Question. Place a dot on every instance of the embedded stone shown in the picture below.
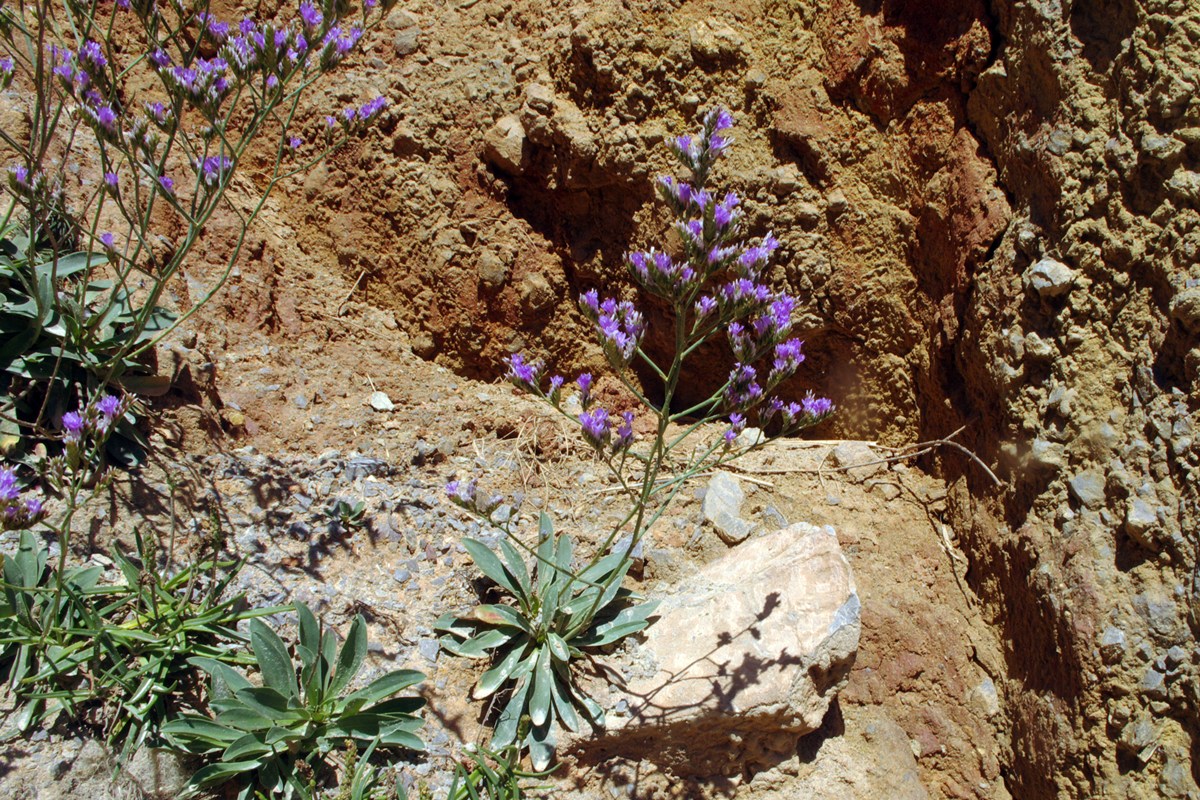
(504, 145)
(1088, 488)
(1049, 278)
(755, 645)
(1185, 308)
(722, 507)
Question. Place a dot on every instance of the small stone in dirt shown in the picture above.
(402, 575)
(856, 458)
(407, 41)
(722, 507)
(1112, 644)
(504, 145)
(1049, 278)
(381, 402)
(300, 401)
(429, 648)
(1088, 488)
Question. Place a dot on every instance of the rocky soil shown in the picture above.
(989, 211)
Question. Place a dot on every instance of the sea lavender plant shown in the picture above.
(714, 288)
(140, 115)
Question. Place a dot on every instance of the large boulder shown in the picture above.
(752, 648)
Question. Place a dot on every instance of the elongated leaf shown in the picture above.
(245, 718)
(230, 679)
(557, 647)
(505, 732)
(501, 615)
(273, 659)
(192, 730)
(478, 646)
(215, 774)
(385, 686)
(495, 677)
(563, 705)
(541, 744)
(515, 565)
(310, 629)
(350, 659)
(489, 564)
(249, 746)
(266, 701)
(539, 698)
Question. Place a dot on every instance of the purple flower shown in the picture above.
(584, 382)
(92, 54)
(294, 142)
(556, 384)
(621, 327)
(111, 181)
(72, 423)
(589, 303)
(705, 306)
(18, 175)
(105, 117)
(522, 373)
(370, 3)
(8, 485)
(123, 5)
(724, 213)
(272, 81)
(109, 406)
(6, 66)
(218, 30)
(742, 389)
(596, 428)
(462, 493)
(624, 432)
(33, 509)
(788, 357)
(372, 107)
(816, 407)
(160, 58)
(721, 119)
(158, 112)
(167, 184)
(106, 239)
(349, 113)
(310, 15)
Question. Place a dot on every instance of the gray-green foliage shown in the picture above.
(123, 647)
(556, 616)
(275, 737)
(62, 327)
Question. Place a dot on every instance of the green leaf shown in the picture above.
(516, 567)
(222, 771)
(350, 659)
(478, 646)
(539, 699)
(385, 686)
(505, 732)
(501, 615)
(562, 699)
(495, 677)
(273, 659)
(310, 629)
(230, 679)
(489, 564)
(557, 647)
(250, 745)
(245, 718)
(541, 743)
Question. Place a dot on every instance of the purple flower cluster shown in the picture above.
(526, 375)
(466, 494)
(213, 169)
(619, 323)
(7, 68)
(17, 513)
(96, 418)
(337, 43)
